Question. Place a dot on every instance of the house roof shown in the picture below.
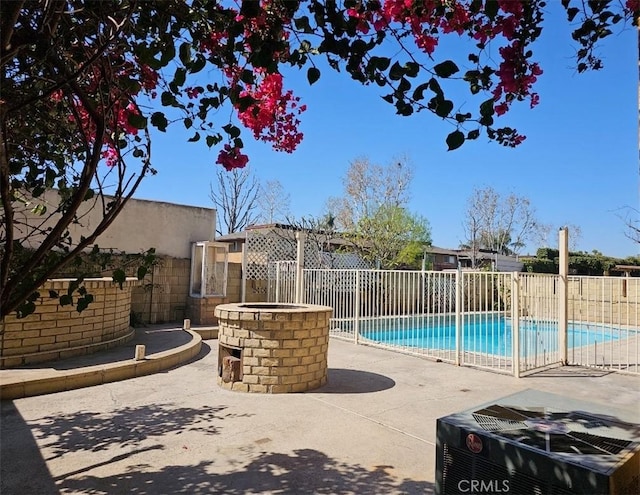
(439, 250)
(235, 236)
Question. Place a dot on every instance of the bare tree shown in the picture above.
(631, 218)
(547, 234)
(502, 224)
(367, 187)
(274, 203)
(320, 233)
(235, 199)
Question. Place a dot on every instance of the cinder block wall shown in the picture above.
(163, 294)
(607, 300)
(201, 310)
(54, 331)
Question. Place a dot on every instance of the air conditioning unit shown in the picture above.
(536, 443)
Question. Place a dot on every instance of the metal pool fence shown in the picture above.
(513, 323)
(609, 307)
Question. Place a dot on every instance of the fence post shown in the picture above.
(459, 316)
(300, 238)
(515, 323)
(243, 288)
(277, 282)
(563, 295)
(356, 321)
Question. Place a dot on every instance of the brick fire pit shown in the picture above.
(272, 348)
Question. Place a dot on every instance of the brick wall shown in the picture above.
(283, 349)
(201, 309)
(163, 294)
(608, 300)
(55, 332)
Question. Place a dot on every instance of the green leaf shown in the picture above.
(194, 138)
(187, 123)
(446, 69)
(185, 53)
(83, 302)
(572, 13)
(232, 130)
(491, 9)
(486, 108)
(142, 271)
(403, 108)
(137, 120)
(39, 209)
(168, 53)
(302, 23)
(473, 134)
(443, 108)
(434, 86)
(180, 76)
(486, 120)
(168, 99)
(119, 277)
(247, 76)
(65, 299)
(455, 140)
(198, 65)
(388, 98)
(418, 93)
(53, 294)
(313, 74)
(25, 309)
(396, 72)
(212, 140)
(159, 121)
(404, 85)
(380, 63)
(411, 69)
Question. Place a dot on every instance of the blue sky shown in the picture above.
(578, 165)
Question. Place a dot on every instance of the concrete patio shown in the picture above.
(371, 429)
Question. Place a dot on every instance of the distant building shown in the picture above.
(450, 259)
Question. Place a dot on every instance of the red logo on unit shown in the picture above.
(474, 443)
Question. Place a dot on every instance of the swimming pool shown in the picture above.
(488, 334)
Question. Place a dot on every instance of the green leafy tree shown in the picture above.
(367, 187)
(392, 238)
(84, 82)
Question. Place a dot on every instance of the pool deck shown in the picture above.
(371, 429)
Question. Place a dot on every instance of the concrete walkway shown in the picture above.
(370, 430)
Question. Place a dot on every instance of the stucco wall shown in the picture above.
(54, 331)
(142, 224)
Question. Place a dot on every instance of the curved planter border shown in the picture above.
(50, 380)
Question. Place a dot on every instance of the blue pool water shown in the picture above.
(490, 335)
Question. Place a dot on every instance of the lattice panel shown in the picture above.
(342, 261)
(263, 248)
(266, 247)
(442, 293)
